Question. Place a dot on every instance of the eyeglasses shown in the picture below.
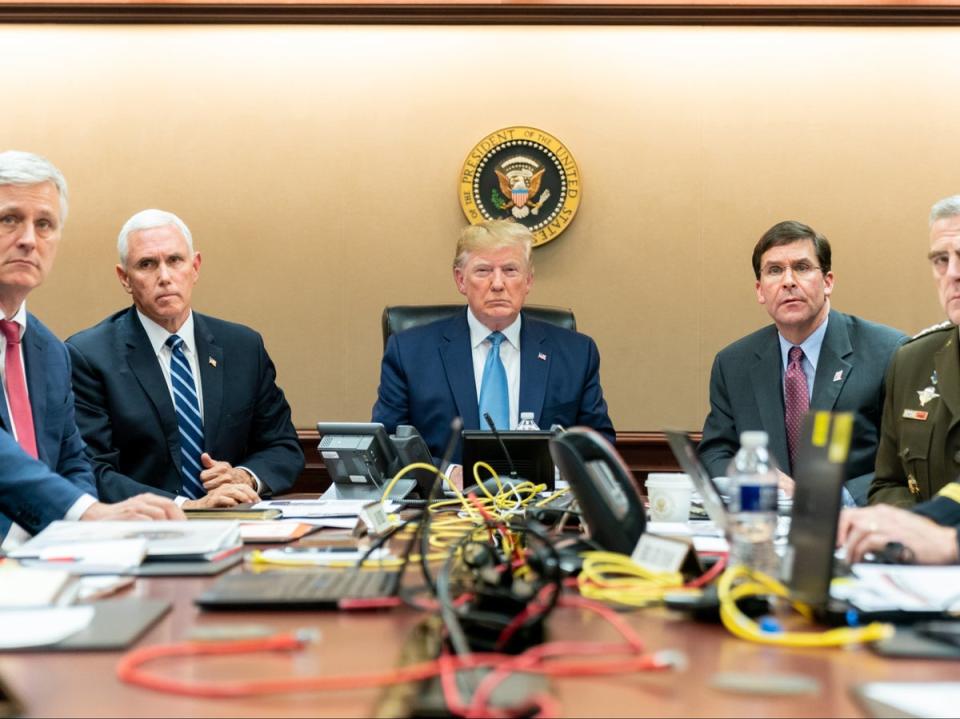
(801, 270)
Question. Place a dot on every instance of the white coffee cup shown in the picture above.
(669, 496)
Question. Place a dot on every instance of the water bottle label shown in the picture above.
(758, 498)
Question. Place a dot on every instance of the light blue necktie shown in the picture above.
(494, 397)
(188, 418)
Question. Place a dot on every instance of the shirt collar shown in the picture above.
(20, 317)
(158, 335)
(479, 331)
(810, 346)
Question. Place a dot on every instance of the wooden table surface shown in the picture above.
(85, 683)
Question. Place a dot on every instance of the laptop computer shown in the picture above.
(685, 453)
(327, 589)
(809, 564)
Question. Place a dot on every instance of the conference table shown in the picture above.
(85, 683)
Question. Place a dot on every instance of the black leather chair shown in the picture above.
(398, 318)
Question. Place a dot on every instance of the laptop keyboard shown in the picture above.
(300, 588)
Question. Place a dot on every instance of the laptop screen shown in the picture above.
(819, 476)
(685, 453)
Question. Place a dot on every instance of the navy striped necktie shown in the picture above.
(188, 418)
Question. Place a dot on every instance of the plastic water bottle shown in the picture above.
(527, 424)
(753, 505)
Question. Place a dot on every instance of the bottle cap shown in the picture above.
(753, 439)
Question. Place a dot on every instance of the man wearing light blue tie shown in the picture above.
(491, 358)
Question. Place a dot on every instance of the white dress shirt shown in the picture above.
(509, 355)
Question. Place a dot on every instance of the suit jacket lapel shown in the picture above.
(768, 393)
(456, 354)
(211, 379)
(835, 348)
(4, 415)
(533, 369)
(143, 363)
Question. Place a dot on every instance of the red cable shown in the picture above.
(709, 575)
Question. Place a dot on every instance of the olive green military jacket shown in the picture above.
(919, 450)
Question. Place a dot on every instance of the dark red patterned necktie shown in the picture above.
(22, 415)
(797, 399)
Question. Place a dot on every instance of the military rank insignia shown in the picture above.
(523, 174)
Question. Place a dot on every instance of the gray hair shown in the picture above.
(147, 220)
(492, 235)
(26, 168)
(947, 207)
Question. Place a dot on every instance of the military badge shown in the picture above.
(927, 394)
(523, 174)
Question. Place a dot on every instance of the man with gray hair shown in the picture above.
(174, 402)
(919, 451)
(491, 357)
(44, 473)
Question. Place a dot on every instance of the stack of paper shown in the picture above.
(886, 587)
(271, 532)
(176, 541)
(339, 513)
(20, 587)
(114, 557)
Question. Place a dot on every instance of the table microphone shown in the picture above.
(503, 446)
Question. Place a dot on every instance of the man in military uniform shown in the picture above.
(927, 535)
(919, 449)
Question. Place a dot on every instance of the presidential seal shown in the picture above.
(524, 174)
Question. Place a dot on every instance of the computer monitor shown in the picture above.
(609, 500)
(528, 451)
(361, 461)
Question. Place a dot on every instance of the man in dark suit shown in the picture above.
(44, 473)
(174, 402)
(433, 373)
(812, 358)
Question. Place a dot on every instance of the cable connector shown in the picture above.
(671, 659)
(307, 636)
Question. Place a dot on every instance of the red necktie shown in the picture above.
(797, 400)
(20, 410)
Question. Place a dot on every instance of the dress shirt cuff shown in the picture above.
(846, 499)
(257, 484)
(79, 507)
(179, 500)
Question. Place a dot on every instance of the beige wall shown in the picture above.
(317, 168)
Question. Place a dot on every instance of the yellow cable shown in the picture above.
(757, 583)
(612, 577)
(420, 465)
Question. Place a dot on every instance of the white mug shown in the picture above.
(670, 496)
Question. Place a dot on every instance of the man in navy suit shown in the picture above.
(433, 373)
(44, 473)
(174, 402)
(825, 359)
